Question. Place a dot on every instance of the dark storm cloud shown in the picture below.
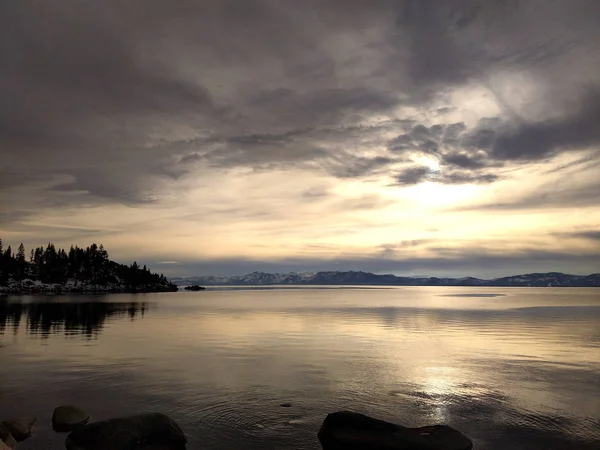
(434, 55)
(533, 141)
(466, 161)
(467, 178)
(323, 148)
(419, 174)
(109, 92)
(491, 144)
(350, 166)
(413, 175)
(70, 62)
(443, 45)
(325, 106)
(453, 145)
(447, 56)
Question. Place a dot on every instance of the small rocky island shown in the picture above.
(342, 430)
(77, 271)
(194, 287)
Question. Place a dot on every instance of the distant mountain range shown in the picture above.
(551, 279)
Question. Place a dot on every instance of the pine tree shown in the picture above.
(37, 256)
(7, 264)
(21, 253)
(50, 263)
(20, 258)
(3, 272)
(103, 253)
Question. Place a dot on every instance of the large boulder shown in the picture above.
(144, 431)
(345, 430)
(68, 417)
(19, 428)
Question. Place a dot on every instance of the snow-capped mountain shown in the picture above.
(552, 279)
(549, 279)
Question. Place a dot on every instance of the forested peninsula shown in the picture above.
(77, 271)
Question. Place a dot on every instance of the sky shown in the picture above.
(414, 137)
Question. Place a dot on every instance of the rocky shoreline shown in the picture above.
(342, 430)
(71, 286)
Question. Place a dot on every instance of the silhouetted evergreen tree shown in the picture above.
(7, 264)
(21, 262)
(3, 268)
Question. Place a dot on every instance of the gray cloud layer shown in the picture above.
(103, 91)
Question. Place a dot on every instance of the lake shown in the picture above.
(514, 368)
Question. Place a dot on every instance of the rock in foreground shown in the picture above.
(68, 417)
(6, 439)
(347, 430)
(19, 428)
(144, 431)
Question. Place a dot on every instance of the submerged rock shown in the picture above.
(20, 428)
(347, 430)
(68, 417)
(145, 431)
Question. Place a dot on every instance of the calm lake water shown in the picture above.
(514, 368)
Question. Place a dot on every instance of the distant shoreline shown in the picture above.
(355, 278)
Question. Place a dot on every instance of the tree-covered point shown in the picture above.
(90, 265)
